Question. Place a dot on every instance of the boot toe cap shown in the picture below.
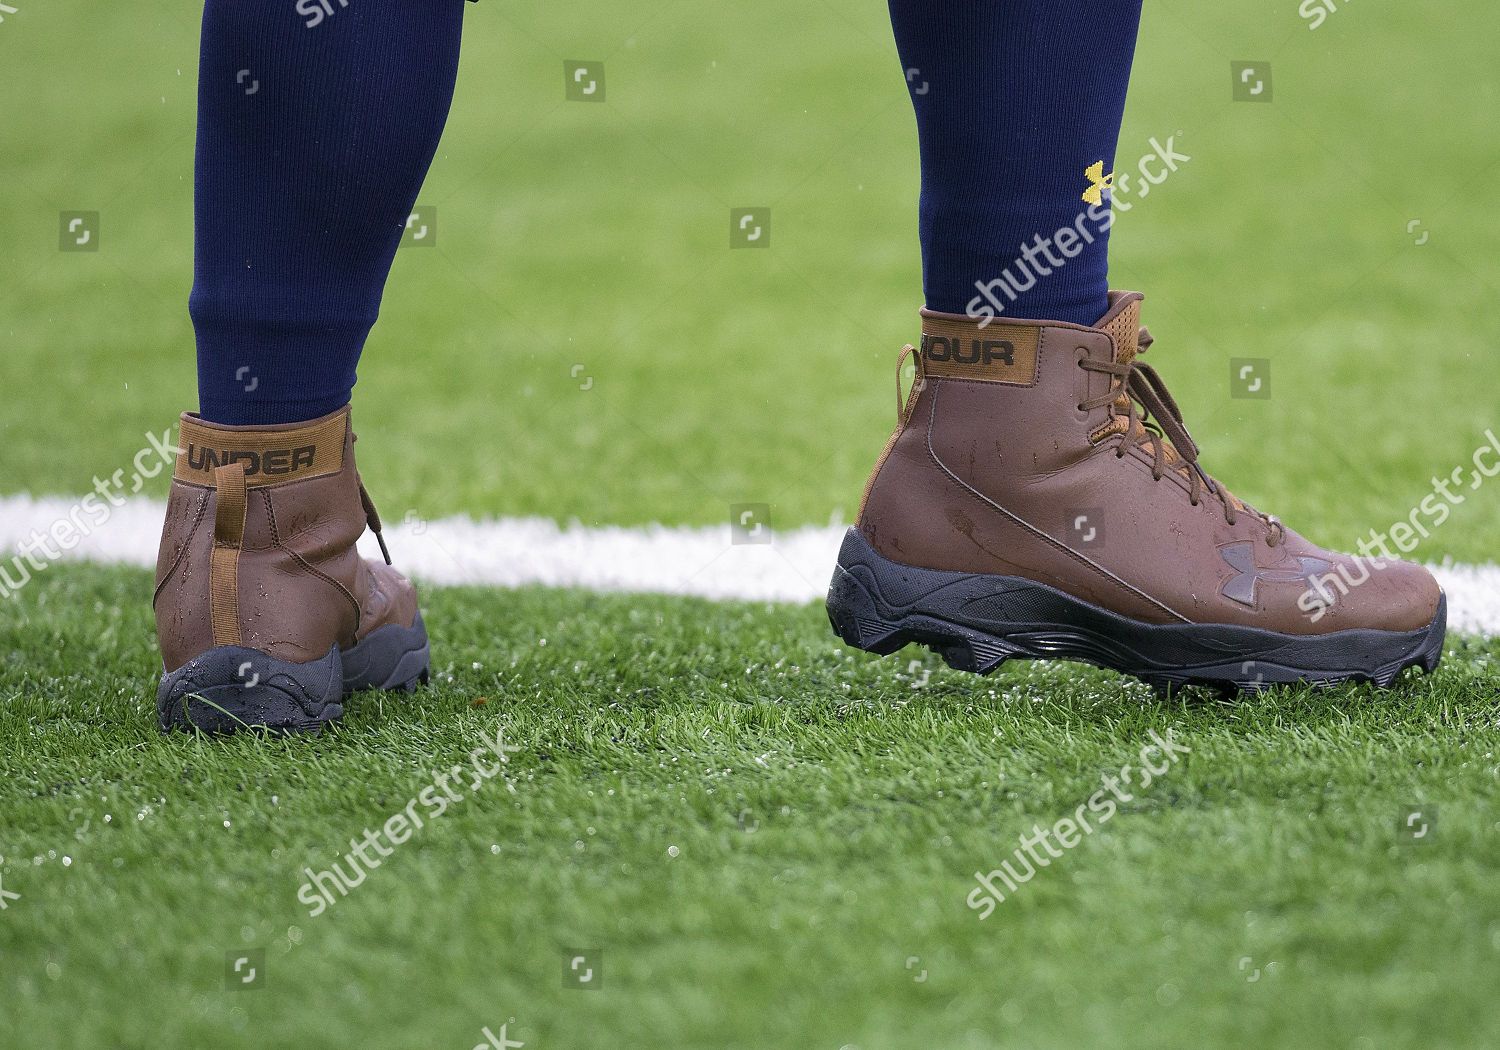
(1382, 595)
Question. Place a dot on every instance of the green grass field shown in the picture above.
(757, 828)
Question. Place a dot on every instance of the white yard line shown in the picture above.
(656, 559)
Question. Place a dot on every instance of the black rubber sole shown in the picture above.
(232, 688)
(977, 622)
(390, 657)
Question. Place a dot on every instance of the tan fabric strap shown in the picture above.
(957, 348)
(268, 456)
(906, 401)
(224, 563)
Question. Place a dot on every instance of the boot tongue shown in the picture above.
(1122, 322)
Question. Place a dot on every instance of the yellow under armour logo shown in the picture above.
(1098, 183)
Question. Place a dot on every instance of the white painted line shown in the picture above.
(655, 559)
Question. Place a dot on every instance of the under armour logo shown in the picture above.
(1240, 557)
(1098, 183)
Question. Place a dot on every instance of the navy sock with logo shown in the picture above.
(1016, 100)
(317, 123)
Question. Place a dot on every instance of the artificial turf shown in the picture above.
(756, 835)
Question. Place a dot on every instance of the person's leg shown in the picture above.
(1015, 100)
(317, 123)
(1041, 496)
(313, 141)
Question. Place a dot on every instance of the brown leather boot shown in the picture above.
(266, 614)
(1041, 498)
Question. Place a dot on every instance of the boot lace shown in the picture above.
(1152, 418)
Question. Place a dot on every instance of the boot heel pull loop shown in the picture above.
(372, 518)
(904, 402)
(224, 562)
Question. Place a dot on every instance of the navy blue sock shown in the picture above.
(316, 125)
(1015, 100)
